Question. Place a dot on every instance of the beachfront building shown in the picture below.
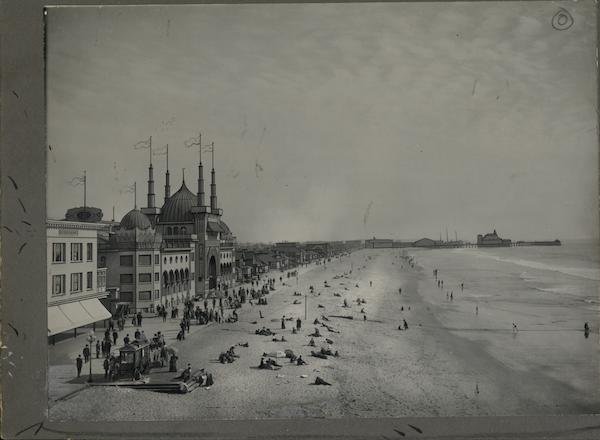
(131, 256)
(427, 243)
(379, 243)
(492, 240)
(75, 283)
(296, 254)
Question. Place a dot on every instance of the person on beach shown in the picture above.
(451, 296)
(79, 364)
(365, 317)
(462, 286)
(477, 310)
(370, 283)
(514, 326)
(405, 324)
(283, 322)
(447, 296)
(298, 324)
(400, 291)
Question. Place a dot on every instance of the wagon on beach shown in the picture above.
(134, 357)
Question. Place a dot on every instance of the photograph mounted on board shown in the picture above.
(281, 211)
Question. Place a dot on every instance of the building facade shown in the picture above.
(75, 282)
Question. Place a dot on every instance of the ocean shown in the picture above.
(548, 292)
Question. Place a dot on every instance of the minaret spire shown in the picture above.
(213, 184)
(200, 173)
(151, 196)
(167, 182)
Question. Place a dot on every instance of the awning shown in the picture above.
(96, 310)
(75, 314)
(215, 227)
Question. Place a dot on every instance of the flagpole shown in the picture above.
(150, 150)
(134, 195)
(84, 188)
(212, 150)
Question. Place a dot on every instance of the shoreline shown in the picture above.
(427, 370)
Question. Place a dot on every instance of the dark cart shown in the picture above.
(134, 356)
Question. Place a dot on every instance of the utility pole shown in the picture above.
(84, 189)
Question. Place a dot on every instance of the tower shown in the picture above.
(167, 180)
(151, 210)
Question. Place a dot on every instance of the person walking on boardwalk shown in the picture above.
(115, 336)
(106, 365)
(79, 364)
(97, 349)
(86, 353)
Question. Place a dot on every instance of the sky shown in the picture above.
(334, 121)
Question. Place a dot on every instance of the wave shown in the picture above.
(588, 273)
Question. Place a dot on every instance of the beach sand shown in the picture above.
(434, 368)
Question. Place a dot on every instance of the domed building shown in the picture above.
(131, 255)
(192, 251)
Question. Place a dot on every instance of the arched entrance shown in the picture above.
(212, 273)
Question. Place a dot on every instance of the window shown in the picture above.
(145, 295)
(145, 260)
(192, 257)
(126, 297)
(176, 259)
(90, 280)
(126, 260)
(186, 258)
(169, 230)
(183, 230)
(90, 252)
(126, 278)
(58, 252)
(156, 276)
(58, 284)
(175, 230)
(165, 260)
(76, 251)
(157, 294)
(156, 258)
(76, 279)
(145, 277)
(170, 260)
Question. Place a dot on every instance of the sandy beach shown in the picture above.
(450, 361)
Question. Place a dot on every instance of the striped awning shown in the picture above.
(75, 314)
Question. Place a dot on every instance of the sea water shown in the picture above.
(548, 292)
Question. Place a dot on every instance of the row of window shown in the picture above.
(177, 259)
(127, 278)
(226, 254)
(59, 283)
(59, 252)
(176, 230)
(144, 295)
(143, 260)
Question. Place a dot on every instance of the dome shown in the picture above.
(178, 207)
(135, 219)
(224, 225)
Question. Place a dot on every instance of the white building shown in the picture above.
(75, 283)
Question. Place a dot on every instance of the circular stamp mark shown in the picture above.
(562, 20)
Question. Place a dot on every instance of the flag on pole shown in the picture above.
(161, 151)
(127, 189)
(77, 181)
(208, 148)
(192, 142)
(142, 145)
